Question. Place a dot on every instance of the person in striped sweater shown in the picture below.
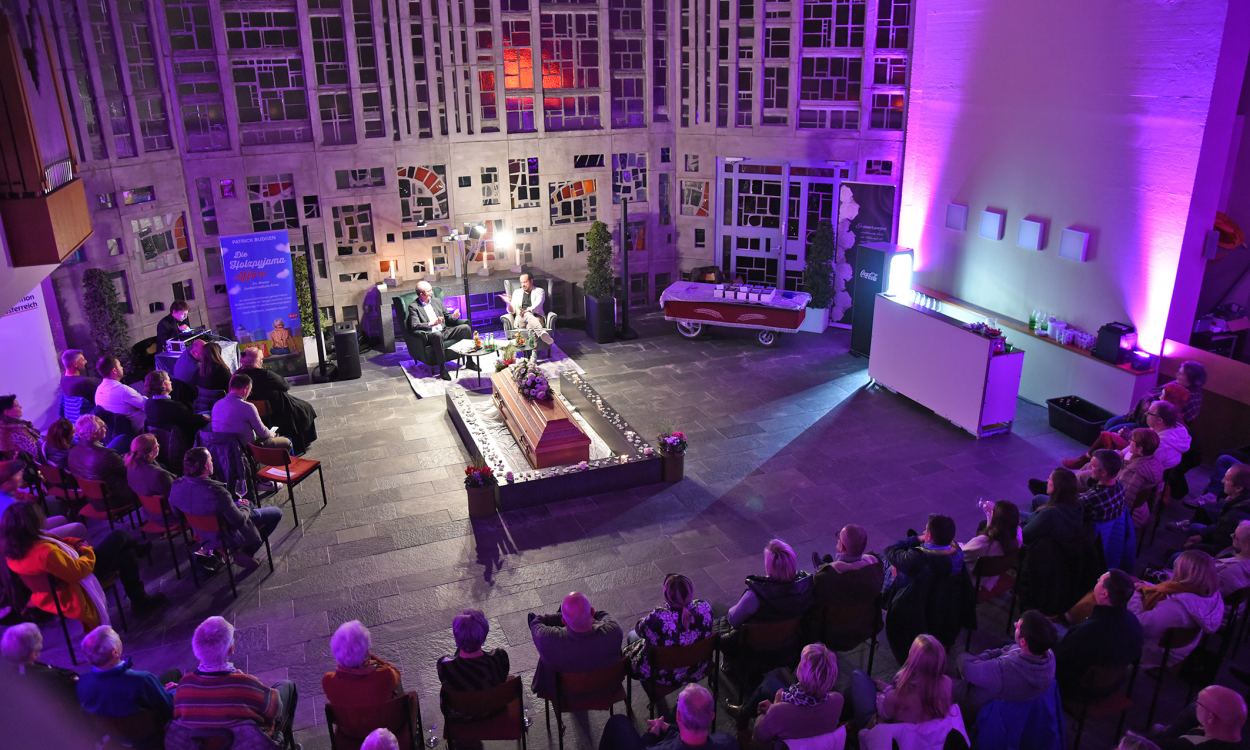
(217, 694)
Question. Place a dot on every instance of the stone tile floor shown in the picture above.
(786, 442)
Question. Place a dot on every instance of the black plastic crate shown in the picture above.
(1077, 418)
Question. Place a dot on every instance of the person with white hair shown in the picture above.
(113, 688)
(380, 739)
(438, 325)
(795, 704)
(21, 647)
(575, 639)
(695, 711)
(218, 694)
(90, 458)
(360, 678)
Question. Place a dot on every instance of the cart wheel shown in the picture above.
(767, 338)
(689, 330)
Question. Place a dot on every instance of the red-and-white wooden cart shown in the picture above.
(694, 306)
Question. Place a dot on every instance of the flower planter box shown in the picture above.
(674, 467)
(481, 501)
(601, 319)
(816, 320)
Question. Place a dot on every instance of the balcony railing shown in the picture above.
(57, 174)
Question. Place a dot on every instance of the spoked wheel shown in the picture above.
(689, 330)
(767, 338)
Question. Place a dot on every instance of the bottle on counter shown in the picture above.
(477, 340)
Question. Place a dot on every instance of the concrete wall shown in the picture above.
(1095, 115)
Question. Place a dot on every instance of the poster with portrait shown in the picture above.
(264, 309)
(865, 214)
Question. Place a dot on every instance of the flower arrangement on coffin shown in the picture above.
(530, 381)
(673, 443)
(478, 476)
(503, 364)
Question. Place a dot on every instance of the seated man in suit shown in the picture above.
(235, 415)
(437, 325)
(526, 307)
(294, 416)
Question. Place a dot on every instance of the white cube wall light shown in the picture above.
(956, 216)
(992, 222)
(1032, 234)
(1074, 244)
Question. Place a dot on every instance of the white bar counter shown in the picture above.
(933, 360)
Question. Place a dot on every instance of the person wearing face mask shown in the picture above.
(172, 325)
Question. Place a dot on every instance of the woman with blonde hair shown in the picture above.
(90, 459)
(782, 593)
(795, 704)
(144, 475)
(1190, 598)
(920, 692)
(682, 621)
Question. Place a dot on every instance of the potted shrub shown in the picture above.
(600, 307)
(673, 452)
(479, 485)
(106, 317)
(819, 278)
(303, 294)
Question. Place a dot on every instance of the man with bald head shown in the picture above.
(1214, 722)
(438, 325)
(575, 639)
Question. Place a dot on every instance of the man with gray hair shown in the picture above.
(361, 678)
(575, 639)
(21, 647)
(217, 694)
(75, 381)
(438, 325)
(695, 711)
(115, 689)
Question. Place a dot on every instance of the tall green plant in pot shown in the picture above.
(600, 307)
(106, 317)
(818, 277)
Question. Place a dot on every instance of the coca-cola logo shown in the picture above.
(868, 276)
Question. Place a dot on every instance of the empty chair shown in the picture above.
(276, 465)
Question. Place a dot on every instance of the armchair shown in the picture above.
(549, 320)
(415, 343)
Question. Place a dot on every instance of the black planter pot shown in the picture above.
(601, 319)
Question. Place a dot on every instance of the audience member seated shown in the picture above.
(682, 621)
(1192, 377)
(1065, 556)
(359, 678)
(187, 367)
(197, 493)
(161, 410)
(1215, 486)
(782, 593)
(75, 382)
(218, 695)
(695, 711)
(472, 667)
(90, 459)
(1190, 598)
(73, 564)
(1216, 721)
(21, 646)
(928, 589)
(13, 481)
(57, 442)
(920, 691)
(795, 704)
(1110, 637)
(18, 437)
(144, 475)
(116, 397)
(1233, 567)
(212, 374)
(1162, 417)
(295, 417)
(114, 689)
(235, 415)
(1212, 530)
(380, 739)
(1104, 500)
(999, 538)
(847, 582)
(575, 639)
(1020, 672)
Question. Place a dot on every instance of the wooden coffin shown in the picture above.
(545, 430)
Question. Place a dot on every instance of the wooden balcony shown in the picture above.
(44, 229)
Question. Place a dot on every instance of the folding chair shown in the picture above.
(169, 525)
(102, 505)
(213, 525)
(276, 465)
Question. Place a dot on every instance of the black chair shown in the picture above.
(414, 341)
(173, 446)
(549, 317)
(594, 690)
(1172, 638)
(1099, 696)
(350, 725)
(994, 567)
(495, 713)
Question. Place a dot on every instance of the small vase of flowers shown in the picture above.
(673, 451)
(480, 485)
